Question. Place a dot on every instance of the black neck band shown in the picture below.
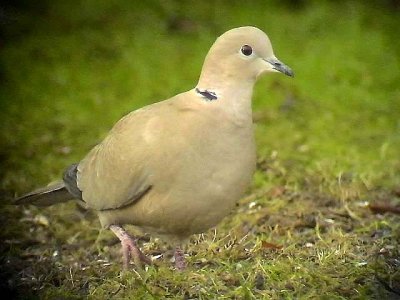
(207, 94)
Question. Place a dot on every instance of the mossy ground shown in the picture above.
(328, 144)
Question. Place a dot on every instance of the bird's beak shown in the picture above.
(279, 66)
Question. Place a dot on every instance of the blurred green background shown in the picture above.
(70, 69)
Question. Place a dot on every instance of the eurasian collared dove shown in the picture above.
(176, 167)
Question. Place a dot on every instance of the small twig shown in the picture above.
(379, 208)
(72, 278)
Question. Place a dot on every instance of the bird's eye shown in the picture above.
(246, 50)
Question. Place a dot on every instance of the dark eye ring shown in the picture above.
(246, 50)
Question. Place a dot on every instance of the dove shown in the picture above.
(176, 167)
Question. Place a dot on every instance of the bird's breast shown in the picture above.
(209, 178)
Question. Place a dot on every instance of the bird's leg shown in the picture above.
(129, 248)
(180, 262)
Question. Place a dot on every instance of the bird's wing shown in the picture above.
(115, 173)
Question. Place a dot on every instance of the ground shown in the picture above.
(320, 220)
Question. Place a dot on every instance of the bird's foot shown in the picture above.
(180, 261)
(130, 248)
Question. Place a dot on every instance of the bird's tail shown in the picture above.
(52, 194)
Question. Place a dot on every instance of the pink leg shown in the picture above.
(129, 248)
(180, 262)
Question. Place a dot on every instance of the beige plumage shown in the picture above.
(177, 167)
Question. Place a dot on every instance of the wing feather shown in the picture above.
(114, 173)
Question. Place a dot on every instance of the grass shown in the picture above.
(328, 143)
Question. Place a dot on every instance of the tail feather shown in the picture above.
(46, 196)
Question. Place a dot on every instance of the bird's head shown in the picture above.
(241, 54)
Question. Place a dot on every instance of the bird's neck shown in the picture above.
(233, 96)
